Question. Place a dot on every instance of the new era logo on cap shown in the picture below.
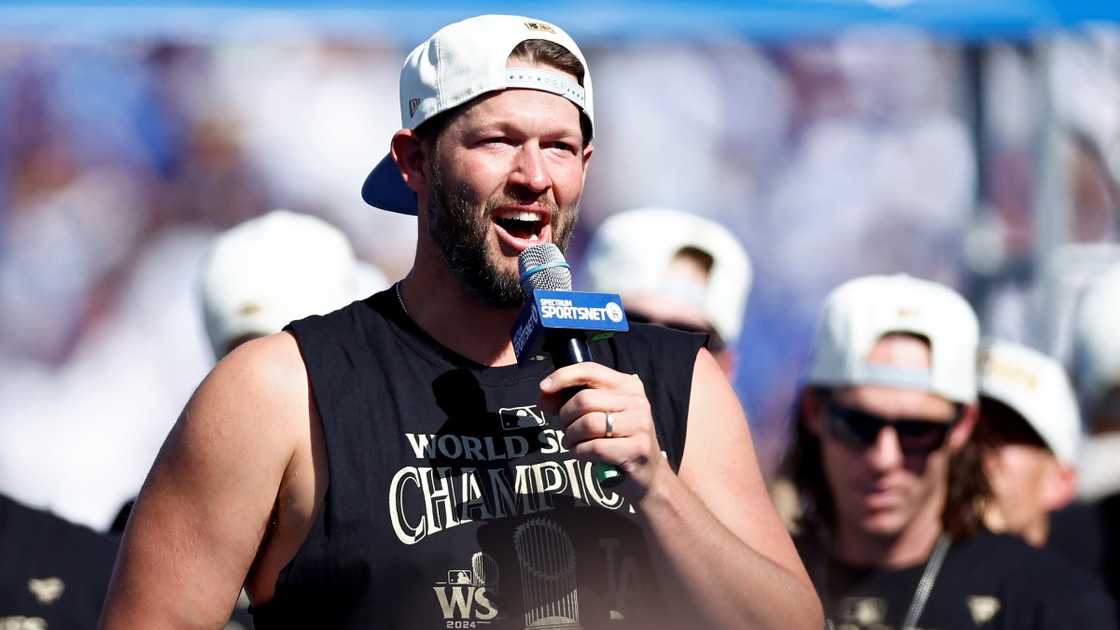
(994, 366)
(1036, 387)
(540, 26)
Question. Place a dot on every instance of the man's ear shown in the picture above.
(408, 152)
(810, 407)
(588, 149)
(1059, 486)
(962, 430)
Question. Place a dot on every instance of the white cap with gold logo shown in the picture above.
(273, 269)
(632, 253)
(860, 312)
(1036, 387)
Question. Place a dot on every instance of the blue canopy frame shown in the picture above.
(404, 23)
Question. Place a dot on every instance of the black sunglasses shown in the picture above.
(715, 342)
(860, 429)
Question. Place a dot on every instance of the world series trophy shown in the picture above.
(548, 575)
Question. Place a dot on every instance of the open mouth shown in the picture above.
(522, 224)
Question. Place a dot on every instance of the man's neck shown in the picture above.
(908, 548)
(439, 304)
(1038, 531)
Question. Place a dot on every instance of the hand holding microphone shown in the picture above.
(605, 413)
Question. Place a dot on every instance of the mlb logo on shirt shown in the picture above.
(459, 576)
(514, 418)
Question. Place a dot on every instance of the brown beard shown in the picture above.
(460, 232)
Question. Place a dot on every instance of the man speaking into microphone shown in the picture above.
(392, 465)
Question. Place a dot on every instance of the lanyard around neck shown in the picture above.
(921, 593)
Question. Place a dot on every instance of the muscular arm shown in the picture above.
(716, 535)
(207, 502)
(714, 525)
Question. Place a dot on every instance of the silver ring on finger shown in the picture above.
(610, 424)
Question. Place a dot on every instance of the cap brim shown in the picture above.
(385, 189)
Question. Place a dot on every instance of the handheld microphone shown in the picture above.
(557, 320)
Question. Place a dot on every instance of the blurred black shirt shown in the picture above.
(1089, 535)
(53, 573)
(989, 581)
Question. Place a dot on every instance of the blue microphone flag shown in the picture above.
(565, 310)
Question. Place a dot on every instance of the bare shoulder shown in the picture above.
(268, 368)
(204, 513)
(254, 402)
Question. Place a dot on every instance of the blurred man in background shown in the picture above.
(675, 269)
(1097, 369)
(892, 533)
(1087, 530)
(1029, 432)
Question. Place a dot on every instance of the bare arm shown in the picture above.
(716, 526)
(206, 505)
(713, 527)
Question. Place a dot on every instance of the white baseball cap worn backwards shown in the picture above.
(858, 313)
(631, 252)
(276, 268)
(1036, 387)
(460, 62)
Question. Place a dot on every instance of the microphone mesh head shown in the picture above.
(555, 274)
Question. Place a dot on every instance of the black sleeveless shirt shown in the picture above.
(451, 502)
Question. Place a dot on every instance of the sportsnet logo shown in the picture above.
(580, 310)
(465, 599)
(565, 311)
(554, 308)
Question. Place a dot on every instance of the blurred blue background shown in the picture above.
(975, 143)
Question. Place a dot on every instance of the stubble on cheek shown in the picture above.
(460, 227)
